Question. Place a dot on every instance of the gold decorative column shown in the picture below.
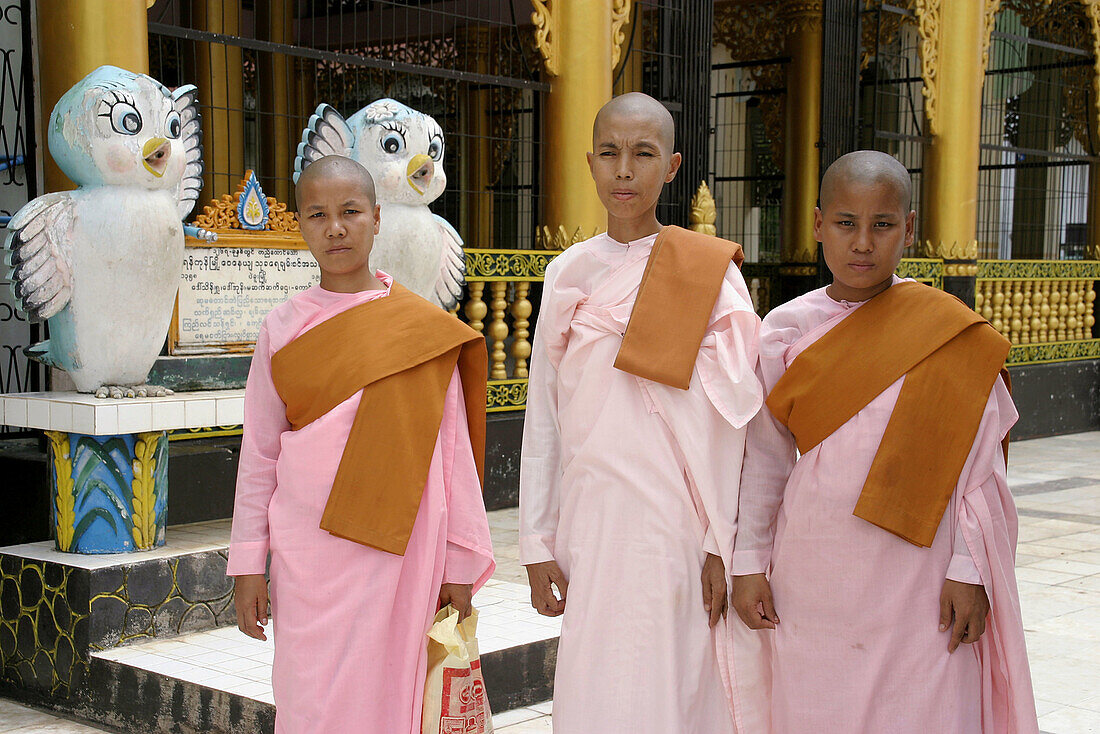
(953, 96)
(279, 130)
(802, 131)
(575, 40)
(78, 36)
(220, 79)
(475, 45)
(957, 32)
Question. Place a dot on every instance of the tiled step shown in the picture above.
(143, 641)
(225, 677)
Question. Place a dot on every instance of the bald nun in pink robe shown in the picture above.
(627, 484)
(351, 621)
(858, 649)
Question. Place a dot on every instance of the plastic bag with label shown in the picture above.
(454, 691)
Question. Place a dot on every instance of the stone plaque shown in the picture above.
(226, 291)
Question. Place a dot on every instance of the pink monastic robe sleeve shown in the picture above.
(540, 462)
(264, 423)
(769, 459)
(469, 555)
(987, 523)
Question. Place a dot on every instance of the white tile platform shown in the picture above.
(180, 540)
(75, 412)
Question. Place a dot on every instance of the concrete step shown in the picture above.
(147, 642)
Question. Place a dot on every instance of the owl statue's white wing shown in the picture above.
(38, 236)
(452, 265)
(327, 133)
(185, 103)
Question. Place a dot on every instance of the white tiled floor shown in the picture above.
(1056, 482)
(16, 718)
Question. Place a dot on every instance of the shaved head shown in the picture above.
(336, 167)
(866, 168)
(632, 107)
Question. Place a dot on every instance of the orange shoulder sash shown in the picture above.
(950, 357)
(679, 287)
(401, 352)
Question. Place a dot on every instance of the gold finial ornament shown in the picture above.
(704, 213)
(559, 239)
(542, 16)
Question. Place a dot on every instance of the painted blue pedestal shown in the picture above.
(109, 493)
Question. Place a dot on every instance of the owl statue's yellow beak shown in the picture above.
(420, 171)
(156, 153)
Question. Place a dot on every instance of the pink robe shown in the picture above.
(627, 484)
(858, 646)
(350, 643)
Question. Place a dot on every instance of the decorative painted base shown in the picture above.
(56, 609)
(109, 493)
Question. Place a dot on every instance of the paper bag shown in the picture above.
(454, 692)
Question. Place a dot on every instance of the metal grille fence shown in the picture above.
(747, 112)
(665, 54)
(263, 66)
(891, 108)
(1037, 145)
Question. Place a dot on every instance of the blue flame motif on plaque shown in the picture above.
(252, 209)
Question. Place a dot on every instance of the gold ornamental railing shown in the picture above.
(1046, 308)
(925, 270)
(498, 286)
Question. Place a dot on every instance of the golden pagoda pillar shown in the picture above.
(219, 75)
(477, 165)
(75, 38)
(801, 157)
(575, 40)
(957, 31)
(279, 130)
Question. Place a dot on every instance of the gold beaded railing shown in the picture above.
(498, 283)
(1046, 308)
(925, 270)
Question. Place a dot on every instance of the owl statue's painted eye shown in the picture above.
(393, 141)
(125, 118)
(173, 125)
(435, 147)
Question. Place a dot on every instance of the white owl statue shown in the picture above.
(102, 263)
(403, 150)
